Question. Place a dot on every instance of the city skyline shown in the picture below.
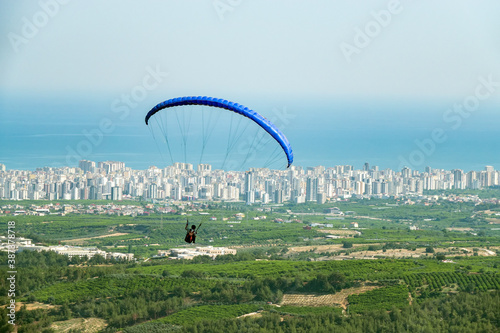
(4, 167)
(112, 180)
(364, 81)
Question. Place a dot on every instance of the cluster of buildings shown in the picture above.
(190, 253)
(25, 244)
(63, 209)
(112, 180)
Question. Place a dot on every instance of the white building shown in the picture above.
(187, 253)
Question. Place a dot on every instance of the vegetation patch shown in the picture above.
(383, 298)
(305, 310)
(87, 325)
(209, 312)
(308, 300)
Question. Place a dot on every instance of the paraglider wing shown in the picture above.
(230, 106)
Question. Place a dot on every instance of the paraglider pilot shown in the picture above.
(191, 233)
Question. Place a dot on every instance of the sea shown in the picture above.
(390, 133)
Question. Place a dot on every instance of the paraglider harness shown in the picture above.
(191, 233)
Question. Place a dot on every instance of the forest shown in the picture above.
(198, 296)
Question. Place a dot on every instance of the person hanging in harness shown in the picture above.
(191, 233)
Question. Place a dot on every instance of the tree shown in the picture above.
(346, 244)
(179, 292)
(336, 280)
(264, 294)
(65, 311)
(4, 324)
(440, 257)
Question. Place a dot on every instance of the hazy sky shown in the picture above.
(257, 47)
(252, 51)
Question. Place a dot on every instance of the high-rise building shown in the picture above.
(384, 188)
(321, 198)
(183, 166)
(204, 168)
(177, 193)
(485, 178)
(250, 197)
(359, 187)
(278, 196)
(458, 179)
(311, 189)
(84, 193)
(470, 178)
(270, 186)
(116, 193)
(87, 166)
(92, 193)
(153, 191)
(406, 172)
(368, 187)
(75, 193)
(249, 188)
(492, 175)
(111, 166)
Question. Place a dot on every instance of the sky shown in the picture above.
(374, 81)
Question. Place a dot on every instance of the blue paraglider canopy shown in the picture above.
(261, 121)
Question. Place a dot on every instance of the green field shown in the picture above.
(202, 295)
